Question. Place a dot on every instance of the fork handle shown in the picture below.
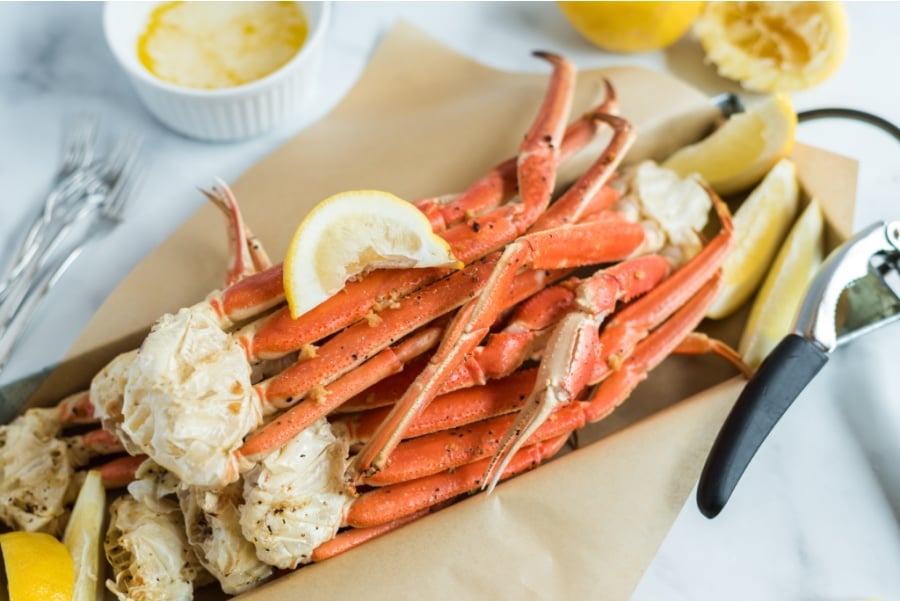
(24, 254)
(11, 331)
(25, 257)
(13, 295)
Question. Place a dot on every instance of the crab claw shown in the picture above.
(574, 348)
(560, 378)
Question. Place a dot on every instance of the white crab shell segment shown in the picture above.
(212, 520)
(35, 471)
(212, 524)
(673, 211)
(294, 499)
(155, 487)
(188, 401)
(107, 395)
(149, 554)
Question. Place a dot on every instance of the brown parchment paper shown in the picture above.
(422, 121)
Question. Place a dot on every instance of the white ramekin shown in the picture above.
(219, 115)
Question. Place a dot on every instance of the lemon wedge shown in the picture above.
(631, 26)
(83, 534)
(782, 292)
(744, 149)
(38, 567)
(760, 224)
(349, 234)
(774, 46)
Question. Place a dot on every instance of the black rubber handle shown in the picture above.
(780, 379)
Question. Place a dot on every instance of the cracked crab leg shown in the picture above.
(277, 334)
(500, 183)
(540, 250)
(389, 503)
(506, 350)
(120, 472)
(353, 537)
(448, 449)
(576, 356)
(549, 245)
(633, 322)
(698, 343)
(650, 351)
(246, 251)
(384, 510)
(536, 167)
(389, 361)
(352, 348)
(83, 447)
(453, 409)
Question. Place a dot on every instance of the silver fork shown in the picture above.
(78, 151)
(111, 212)
(67, 213)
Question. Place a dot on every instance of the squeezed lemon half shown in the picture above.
(743, 149)
(38, 567)
(351, 233)
(777, 302)
(774, 46)
(760, 225)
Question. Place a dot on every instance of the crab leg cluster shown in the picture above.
(275, 441)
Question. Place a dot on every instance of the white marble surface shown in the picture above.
(815, 517)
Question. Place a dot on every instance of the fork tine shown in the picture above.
(124, 186)
(79, 141)
(130, 191)
(131, 148)
(124, 148)
(71, 135)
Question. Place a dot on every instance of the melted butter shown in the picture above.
(213, 45)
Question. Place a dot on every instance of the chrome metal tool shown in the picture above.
(856, 291)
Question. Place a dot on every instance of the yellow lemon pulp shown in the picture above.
(778, 301)
(38, 567)
(351, 233)
(760, 225)
(214, 45)
(631, 26)
(83, 534)
(774, 46)
(744, 149)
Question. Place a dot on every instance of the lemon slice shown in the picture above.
(779, 298)
(38, 567)
(631, 26)
(760, 225)
(351, 233)
(83, 533)
(744, 149)
(774, 46)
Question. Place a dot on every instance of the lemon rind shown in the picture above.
(797, 262)
(307, 241)
(760, 227)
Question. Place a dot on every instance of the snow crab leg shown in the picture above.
(547, 246)
(577, 356)
(333, 359)
(347, 349)
(500, 183)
